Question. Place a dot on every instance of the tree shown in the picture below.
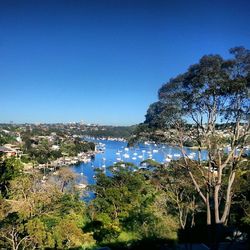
(9, 169)
(212, 91)
(40, 215)
(128, 203)
(240, 211)
(180, 198)
(12, 235)
(65, 178)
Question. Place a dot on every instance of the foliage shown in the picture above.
(208, 107)
(111, 131)
(136, 207)
(127, 203)
(6, 138)
(42, 151)
(42, 215)
(77, 146)
(9, 169)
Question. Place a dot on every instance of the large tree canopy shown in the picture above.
(212, 93)
(212, 90)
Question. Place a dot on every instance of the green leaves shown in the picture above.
(41, 215)
(126, 203)
(9, 169)
(211, 83)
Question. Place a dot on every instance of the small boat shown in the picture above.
(167, 159)
(126, 156)
(81, 186)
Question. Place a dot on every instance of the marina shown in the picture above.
(110, 152)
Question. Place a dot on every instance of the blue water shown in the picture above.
(116, 151)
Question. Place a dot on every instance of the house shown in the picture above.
(8, 152)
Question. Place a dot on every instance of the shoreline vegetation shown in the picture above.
(170, 205)
(65, 144)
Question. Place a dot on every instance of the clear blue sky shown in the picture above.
(103, 61)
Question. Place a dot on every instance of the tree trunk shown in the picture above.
(228, 198)
(208, 210)
(216, 204)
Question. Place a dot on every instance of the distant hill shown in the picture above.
(110, 131)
